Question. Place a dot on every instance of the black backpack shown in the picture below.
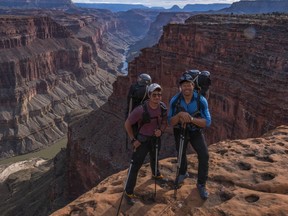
(202, 81)
(203, 84)
(136, 96)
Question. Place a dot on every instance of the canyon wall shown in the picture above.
(47, 71)
(247, 58)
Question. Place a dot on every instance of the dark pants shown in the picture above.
(138, 158)
(197, 141)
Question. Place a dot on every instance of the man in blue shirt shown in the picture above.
(189, 110)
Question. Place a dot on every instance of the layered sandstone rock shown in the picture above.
(45, 74)
(52, 66)
(246, 177)
(17, 32)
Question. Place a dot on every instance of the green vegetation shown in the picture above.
(47, 153)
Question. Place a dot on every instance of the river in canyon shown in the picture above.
(124, 68)
(47, 153)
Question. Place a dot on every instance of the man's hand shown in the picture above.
(136, 144)
(157, 132)
(184, 117)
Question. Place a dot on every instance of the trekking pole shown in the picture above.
(129, 170)
(156, 164)
(180, 152)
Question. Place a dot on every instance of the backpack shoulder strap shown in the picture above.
(144, 96)
(198, 100)
(163, 109)
(197, 112)
(145, 109)
(176, 103)
(145, 115)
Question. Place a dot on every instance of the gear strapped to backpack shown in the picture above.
(201, 80)
(203, 83)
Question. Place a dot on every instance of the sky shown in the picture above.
(155, 3)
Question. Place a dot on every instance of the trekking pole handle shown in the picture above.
(135, 147)
(158, 132)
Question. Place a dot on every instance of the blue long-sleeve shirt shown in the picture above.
(191, 107)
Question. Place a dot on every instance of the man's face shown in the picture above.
(156, 96)
(187, 88)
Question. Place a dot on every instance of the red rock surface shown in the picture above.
(246, 177)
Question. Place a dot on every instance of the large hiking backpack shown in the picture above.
(138, 92)
(136, 96)
(204, 82)
(201, 80)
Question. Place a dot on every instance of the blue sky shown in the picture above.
(153, 3)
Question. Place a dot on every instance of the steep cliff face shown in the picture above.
(249, 78)
(16, 32)
(45, 73)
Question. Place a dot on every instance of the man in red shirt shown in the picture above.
(152, 122)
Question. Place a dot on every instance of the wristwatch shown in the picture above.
(192, 118)
(133, 140)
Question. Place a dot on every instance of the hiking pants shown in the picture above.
(197, 141)
(138, 159)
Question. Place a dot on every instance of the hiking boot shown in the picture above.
(160, 178)
(182, 177)
(130, 198)
(202, 191)
(180, 181)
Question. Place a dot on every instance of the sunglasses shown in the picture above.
(156, 94)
